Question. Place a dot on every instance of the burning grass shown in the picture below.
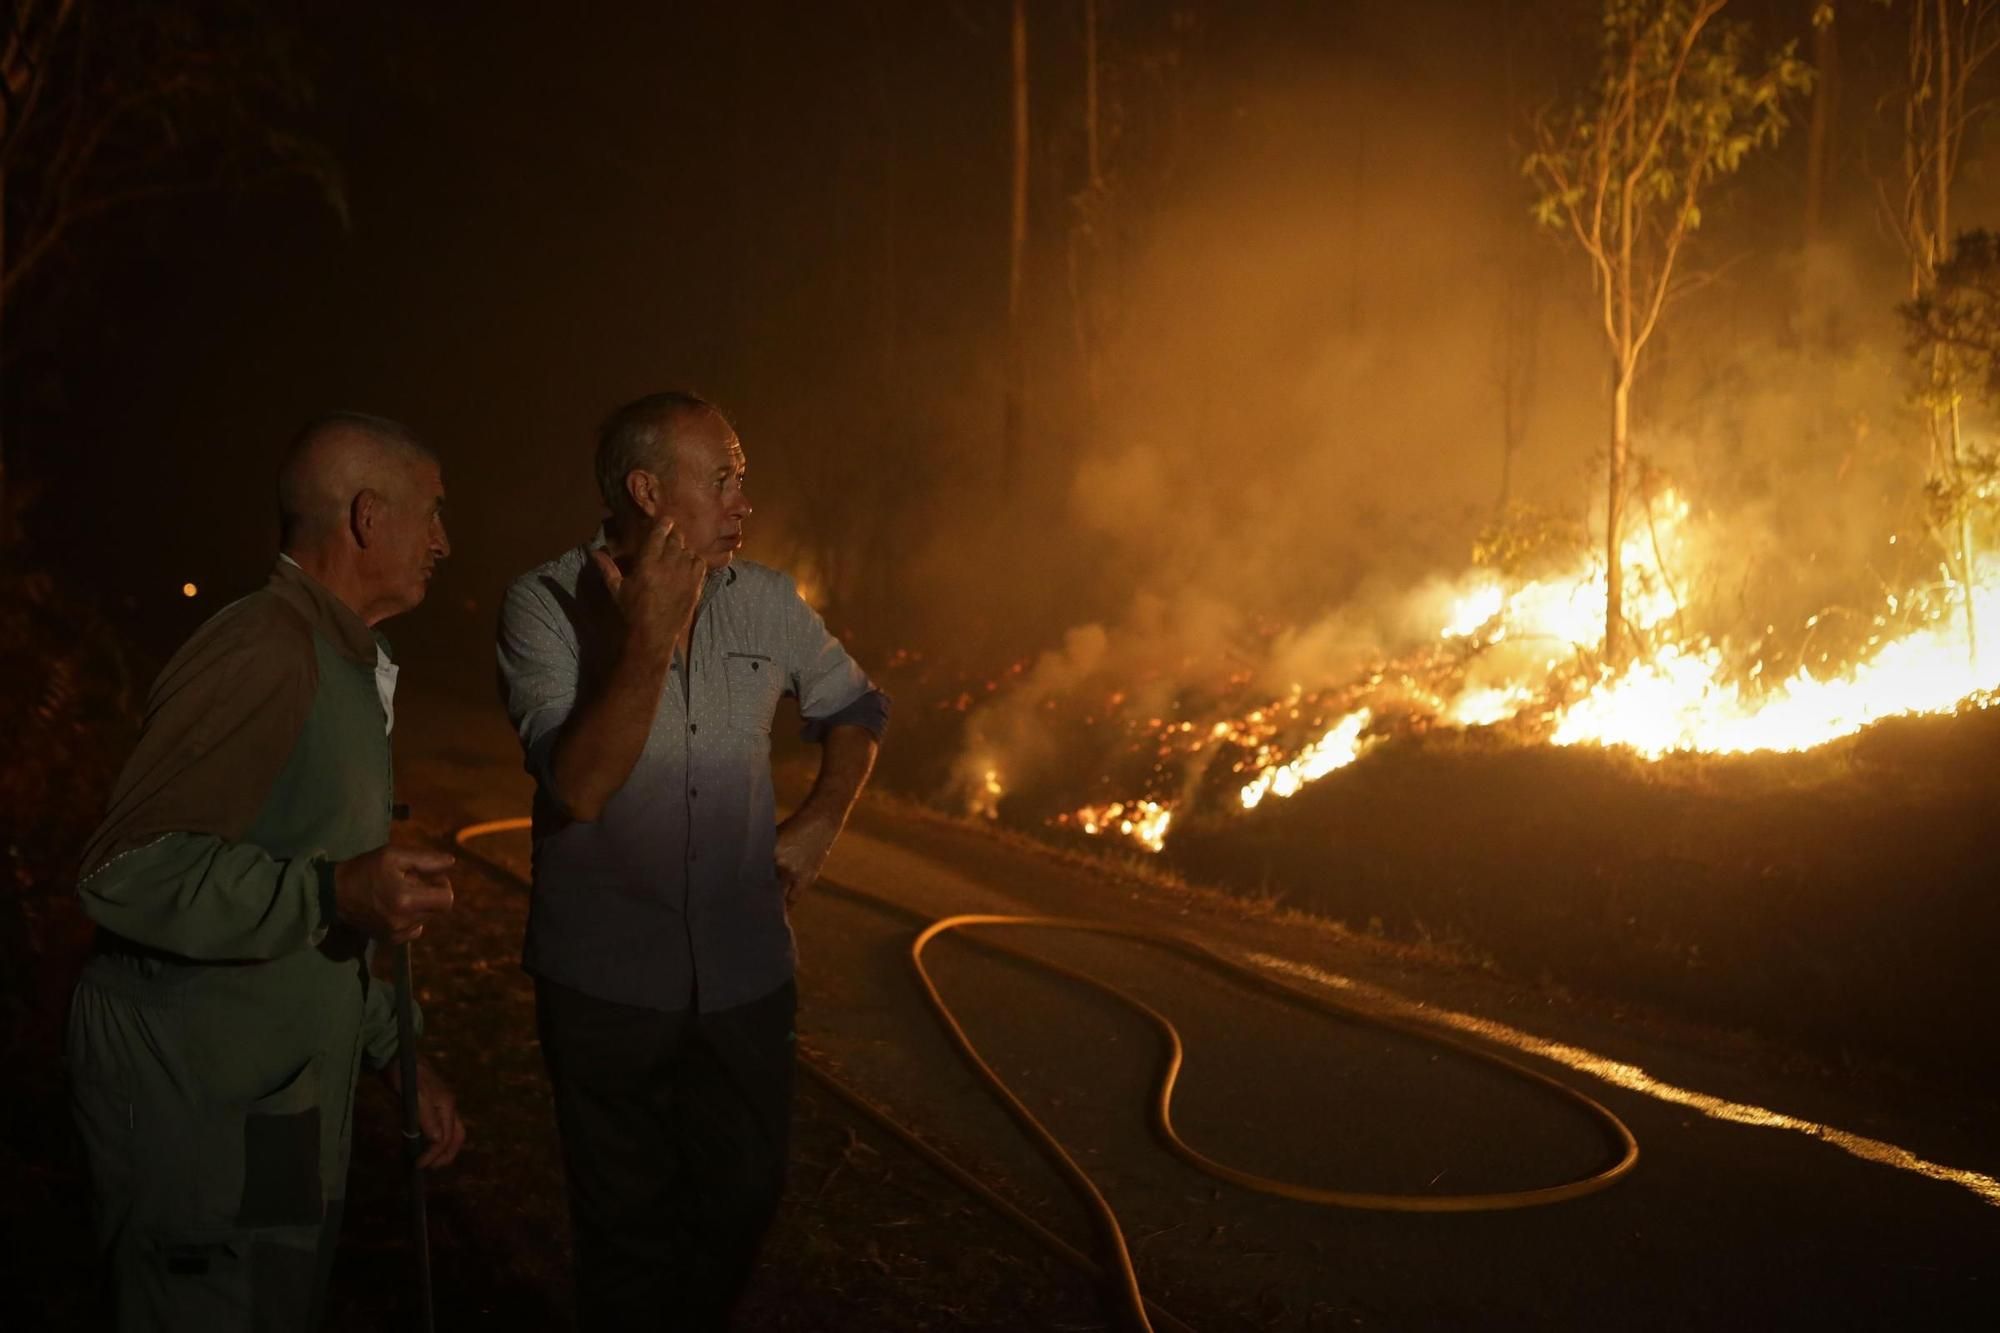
(1510, 646)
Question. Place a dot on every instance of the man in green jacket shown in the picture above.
(240, 881)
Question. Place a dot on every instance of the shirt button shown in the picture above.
(694, 726)
(693, 792)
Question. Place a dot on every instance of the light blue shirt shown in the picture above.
(670, 899)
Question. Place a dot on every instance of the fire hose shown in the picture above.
(1105, 1220)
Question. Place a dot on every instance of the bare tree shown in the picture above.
(1950, 42)
(1131, 122)
(1624, 171)
(109, 104)
(1088, 207)
(33, 28)
(1517, 327)
(1954, 329)
(1516, 358)
(1015, 391)
(1819, 130)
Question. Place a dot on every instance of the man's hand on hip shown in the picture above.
(801, 852)
(391, 892)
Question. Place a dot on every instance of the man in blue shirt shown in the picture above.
(641, 672)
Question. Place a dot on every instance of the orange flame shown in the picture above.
(1683, 697)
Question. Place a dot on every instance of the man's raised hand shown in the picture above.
(391, 892)
(658, 590)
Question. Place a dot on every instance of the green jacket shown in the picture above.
(264, 761)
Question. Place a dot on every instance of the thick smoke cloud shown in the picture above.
(1301, 436)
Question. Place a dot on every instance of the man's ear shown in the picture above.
(364, 514)
(644, 488)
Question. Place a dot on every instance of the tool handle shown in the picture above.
(413, 1134)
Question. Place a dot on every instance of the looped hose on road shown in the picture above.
(1105, 1219)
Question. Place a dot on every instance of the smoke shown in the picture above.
(1795, 441)
(1303, 427)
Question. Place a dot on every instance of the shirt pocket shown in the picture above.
(754, 683)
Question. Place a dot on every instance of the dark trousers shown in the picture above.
(674, 1134)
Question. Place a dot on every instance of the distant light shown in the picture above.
(189, 590)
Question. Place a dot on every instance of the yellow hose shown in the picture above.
(1105, 1219)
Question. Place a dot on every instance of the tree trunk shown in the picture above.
(1616, 649)
(889, 302)
(6, 492)
(1819, 141)
(1085, 240)
(1017, 247)
(1916, 237)
(1963, 540)
(1945, 110)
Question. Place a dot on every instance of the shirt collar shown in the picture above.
(726, 575)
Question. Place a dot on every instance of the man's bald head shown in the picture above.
(332, 460)
(361, 510)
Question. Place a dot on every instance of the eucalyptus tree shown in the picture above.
(1679, 101)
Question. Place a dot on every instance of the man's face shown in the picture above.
(706, 501)
(409, 539)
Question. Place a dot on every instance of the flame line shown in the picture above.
(1634, 1079)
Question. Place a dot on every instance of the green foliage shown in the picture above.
(1678, 102)
(1954, 326)
(1954, 343)
(1969, 490)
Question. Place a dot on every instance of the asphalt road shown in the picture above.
(1756, 1203)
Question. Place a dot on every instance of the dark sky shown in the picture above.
(800, 210)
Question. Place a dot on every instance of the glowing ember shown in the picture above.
(1484, 706)
(1340, 746)
(985, 800)
(1145, 822)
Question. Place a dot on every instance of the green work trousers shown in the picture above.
(207, 1161)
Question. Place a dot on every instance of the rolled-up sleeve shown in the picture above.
(870, 712)
(830, 685)
(538, 665)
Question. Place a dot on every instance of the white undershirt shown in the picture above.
(385, 670)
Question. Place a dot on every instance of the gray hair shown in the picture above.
(323, 470)
(639, 437)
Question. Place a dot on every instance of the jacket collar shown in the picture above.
(330, 617)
